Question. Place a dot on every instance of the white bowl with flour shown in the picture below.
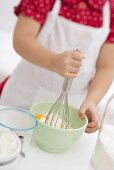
(103, 156)
(10, 147)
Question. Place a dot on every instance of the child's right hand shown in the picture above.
(67, 64)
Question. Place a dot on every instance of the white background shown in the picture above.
(8, 57)
(7, 17)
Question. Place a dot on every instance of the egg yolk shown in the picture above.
(39, 116)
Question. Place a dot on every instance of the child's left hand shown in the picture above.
(89, 109)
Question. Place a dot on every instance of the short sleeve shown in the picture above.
(110, 38)
(36, 9)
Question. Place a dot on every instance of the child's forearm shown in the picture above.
(25, 42)
(100, 84)
(31, 50)
(104, 74)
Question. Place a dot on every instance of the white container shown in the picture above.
(10, 148)
(19, 120)
(103, 155)
(10, 145)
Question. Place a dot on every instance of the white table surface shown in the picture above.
(76, 158)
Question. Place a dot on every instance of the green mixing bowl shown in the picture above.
(57, 140)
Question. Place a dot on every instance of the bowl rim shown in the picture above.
(60, 129)
(20, 110)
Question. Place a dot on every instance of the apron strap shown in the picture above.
(106, 12)
(56, 7)
(106, 15)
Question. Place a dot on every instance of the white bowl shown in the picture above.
(20, 121)
(14, 155)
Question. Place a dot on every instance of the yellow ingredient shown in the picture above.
(39, 116)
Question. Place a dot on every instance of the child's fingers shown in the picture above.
(93, 124)
(75, 63)
(91, 130)
(93, 120)
(82, 112)
(78, 56)
(73, 70)
(92, 127)
(70, 75)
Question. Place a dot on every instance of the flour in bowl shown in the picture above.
(103, 157)
(42, 118)
(8, 142)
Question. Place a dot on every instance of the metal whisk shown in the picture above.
(60, 108)
(58, 115)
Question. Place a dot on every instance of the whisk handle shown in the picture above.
(67, 84)
(68, 81)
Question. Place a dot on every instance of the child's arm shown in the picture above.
(99, 85)
(26, 44)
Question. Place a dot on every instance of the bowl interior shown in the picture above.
(75, 121)
(17, 119)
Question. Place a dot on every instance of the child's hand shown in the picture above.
(67, 64)
(89, 109)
